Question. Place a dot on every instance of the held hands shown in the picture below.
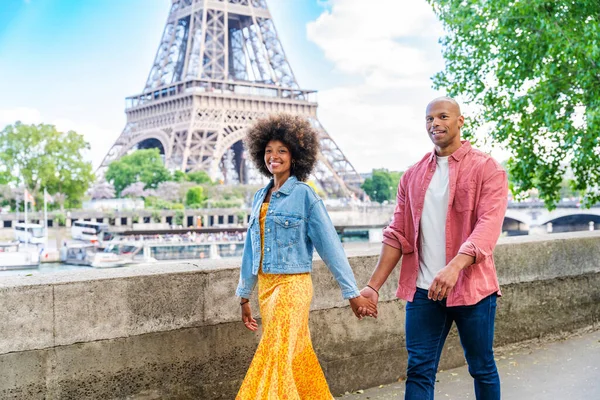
(247, 318)
(373, 296)
(361, 306)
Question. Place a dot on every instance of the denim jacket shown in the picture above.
(296, 222)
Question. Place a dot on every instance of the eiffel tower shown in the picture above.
(219, 67)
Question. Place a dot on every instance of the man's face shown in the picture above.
(443, 123)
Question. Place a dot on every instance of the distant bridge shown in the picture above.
(568, 216)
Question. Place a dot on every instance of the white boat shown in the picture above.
(15, 256)
(93, 256)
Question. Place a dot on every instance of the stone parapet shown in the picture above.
(172, 331)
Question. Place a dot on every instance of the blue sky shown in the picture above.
(73, 62)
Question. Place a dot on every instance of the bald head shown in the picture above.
(443, 123)
(454, 106)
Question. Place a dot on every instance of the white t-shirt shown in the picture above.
(432, 238)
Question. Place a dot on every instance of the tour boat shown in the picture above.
(13, 255)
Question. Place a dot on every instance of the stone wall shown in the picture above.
(173, 331)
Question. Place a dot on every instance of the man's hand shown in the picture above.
(443, 282)
(371, 295)
(362, 306)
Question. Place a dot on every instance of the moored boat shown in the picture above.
(13, 255)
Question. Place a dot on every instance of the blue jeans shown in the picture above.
(427, 325)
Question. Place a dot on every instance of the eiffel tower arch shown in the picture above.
(219, 67)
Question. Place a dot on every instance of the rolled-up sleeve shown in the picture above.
(393, 234)
(490, 211)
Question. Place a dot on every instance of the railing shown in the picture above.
(221, 87)
(540, 204)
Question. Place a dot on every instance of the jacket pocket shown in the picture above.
(464, 197)
(287, 237)
(287, 231)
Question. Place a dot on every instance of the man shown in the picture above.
(448, 217)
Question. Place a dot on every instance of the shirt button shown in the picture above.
(268, 249)
(270, 212)
(277, 195)
(287, 223)
(268, 230)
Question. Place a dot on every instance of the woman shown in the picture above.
(287, 220)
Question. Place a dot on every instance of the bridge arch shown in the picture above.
(518, 215)
(574, 222)
(566, 212)
(513, 227)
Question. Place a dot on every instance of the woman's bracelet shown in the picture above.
(244, 302)
(369, 286)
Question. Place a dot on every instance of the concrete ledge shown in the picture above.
(173, 331)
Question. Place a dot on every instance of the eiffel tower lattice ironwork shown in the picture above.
(219, 67)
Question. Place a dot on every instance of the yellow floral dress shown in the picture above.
(285, 365)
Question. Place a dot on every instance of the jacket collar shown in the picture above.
(287, 186)
(463, 150)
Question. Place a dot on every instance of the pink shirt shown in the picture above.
(476, 206)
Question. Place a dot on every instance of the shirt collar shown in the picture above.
(287, 186)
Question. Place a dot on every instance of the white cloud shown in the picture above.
(23, 114)
(391, 48)
(100, 139)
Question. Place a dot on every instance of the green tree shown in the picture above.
(531, 67)
(380, 186)
(179, 176)
(199, 177)
(194, 197)
(144, 166)
(42, 157)
(396, 175)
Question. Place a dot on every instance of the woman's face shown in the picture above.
(278, 157)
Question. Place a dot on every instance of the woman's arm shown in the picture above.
(327, 243)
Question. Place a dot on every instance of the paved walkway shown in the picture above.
(563, 369)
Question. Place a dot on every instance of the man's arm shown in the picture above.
(394, 244)
(388, 259)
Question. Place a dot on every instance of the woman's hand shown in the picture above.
(363, 303)
(247, 319)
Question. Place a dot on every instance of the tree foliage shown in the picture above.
(134, 190)
(381, 186)
(102, 190)
(198, 177)
(169, 191)
(179, 176)
(195, 197)
(532, 68)
(42, 157)
(140, 166)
